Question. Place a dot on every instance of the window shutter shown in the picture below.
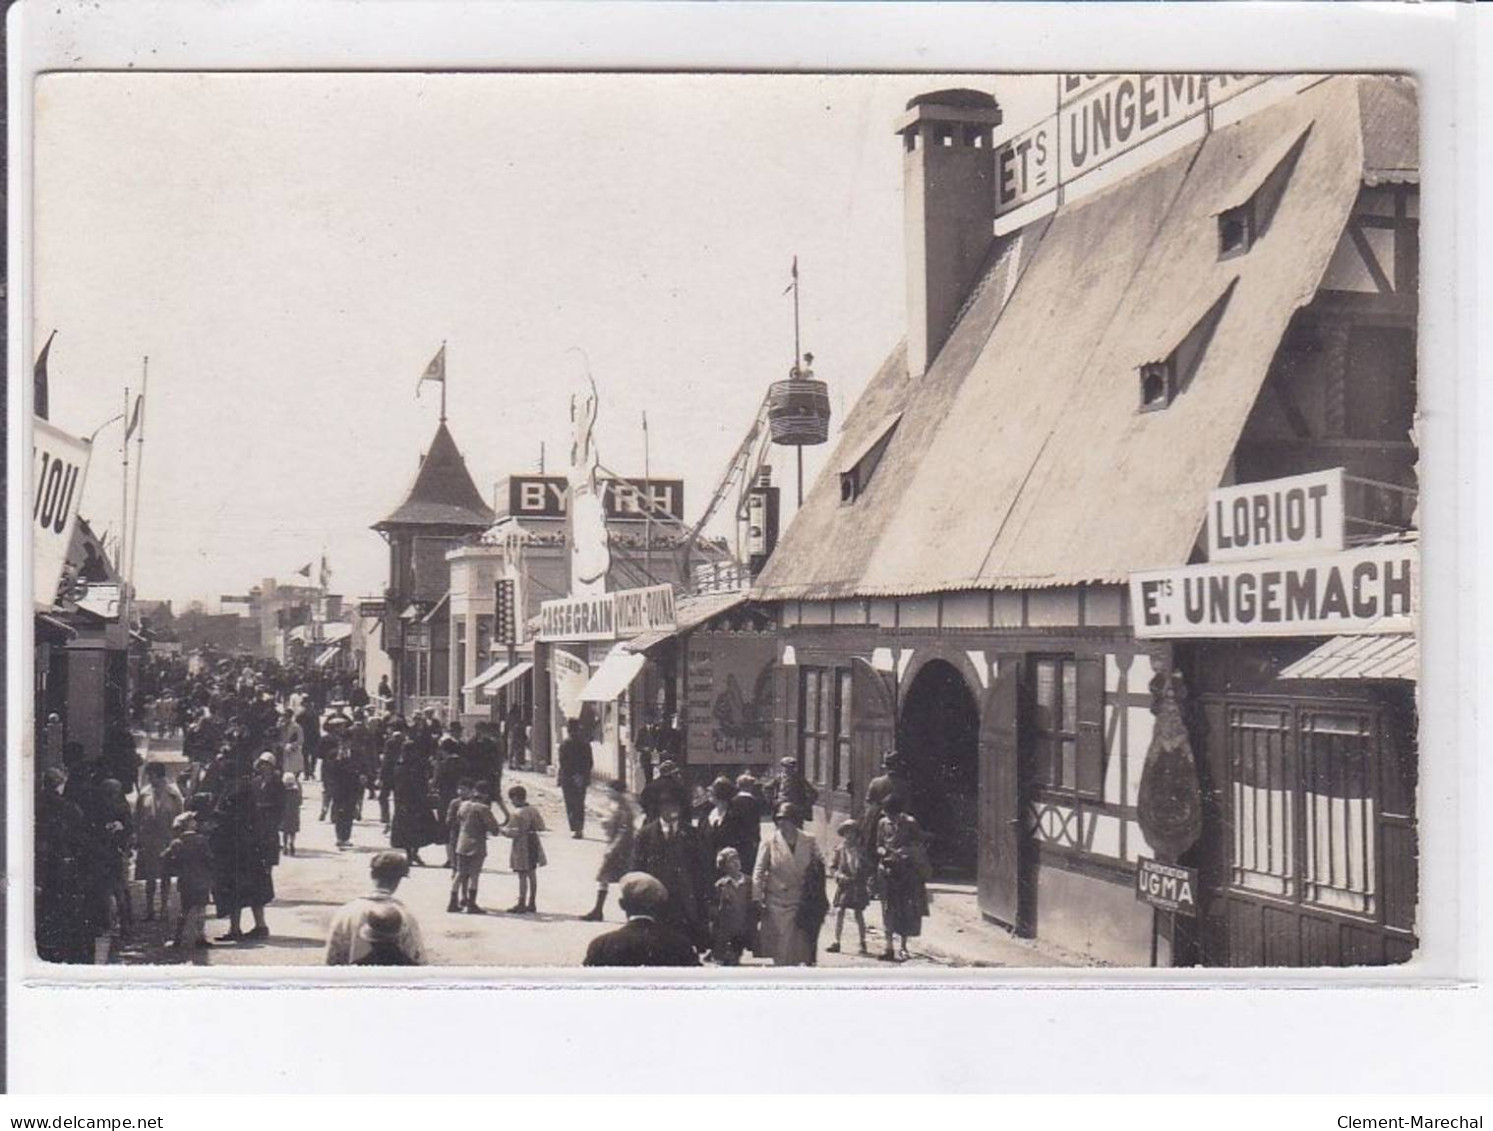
(1091, 725)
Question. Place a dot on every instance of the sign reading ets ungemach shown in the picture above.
(1372, 589)
(1099, 117)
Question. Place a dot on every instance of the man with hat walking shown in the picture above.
(792, 788)
(643, 940)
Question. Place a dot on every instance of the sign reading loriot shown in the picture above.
(1166, 886)
(1302, 514)
(1371, 589)
(1100, 117)
(543, 496)
(608, 616)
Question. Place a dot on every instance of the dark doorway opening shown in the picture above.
(938, 735)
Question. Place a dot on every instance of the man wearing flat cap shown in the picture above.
(644, 940)
(348, 943)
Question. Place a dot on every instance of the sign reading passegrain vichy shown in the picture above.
(608, 616)
(1278, 568)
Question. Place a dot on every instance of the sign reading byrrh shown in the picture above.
(608, 616)
(544, 496)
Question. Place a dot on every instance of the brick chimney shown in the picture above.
(948, 179)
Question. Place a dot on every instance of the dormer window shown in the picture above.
(1246, 216)
(1158, 385)
(1236, 230)
(857, 469)
(1162, 381)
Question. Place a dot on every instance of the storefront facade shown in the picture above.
(958, 584)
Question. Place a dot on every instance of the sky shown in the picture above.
(291, 250)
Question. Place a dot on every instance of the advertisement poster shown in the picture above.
(731, 703)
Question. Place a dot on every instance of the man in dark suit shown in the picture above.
(575, 775)
(673, 852)
(643, 941)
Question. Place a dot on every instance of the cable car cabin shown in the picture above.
(798, 411)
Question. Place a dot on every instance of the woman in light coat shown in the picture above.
(789, 865)
(292, 746)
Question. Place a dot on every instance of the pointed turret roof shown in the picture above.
(443, 493)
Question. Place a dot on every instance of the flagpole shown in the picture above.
(443, 380)
(124, 494)
(797, 370)
(139, 462)
(648, 510)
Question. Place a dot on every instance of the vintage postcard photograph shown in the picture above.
(721, 523)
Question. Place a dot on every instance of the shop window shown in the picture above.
(1304, 797)
(815, 721)
(1055, 722)
(1067, 724)
(461, 652)
(841, 774)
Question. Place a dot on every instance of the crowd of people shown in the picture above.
(713, 876)
(685, 871)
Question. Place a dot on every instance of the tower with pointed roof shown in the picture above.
(441, 510)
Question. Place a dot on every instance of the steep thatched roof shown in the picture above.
(1020, 459)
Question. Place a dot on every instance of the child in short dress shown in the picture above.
(290, 815)
(848, 869)
(731, 913)
(527, 856)
(189, 858)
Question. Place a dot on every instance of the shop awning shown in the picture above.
(485, 676)
(516, 672)
(611, 679)
(1393, 655)
(328, 655)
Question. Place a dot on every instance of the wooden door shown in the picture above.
(1006, 884)
(873, 712)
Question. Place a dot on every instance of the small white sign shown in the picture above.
(59, 464)
(1302, 514)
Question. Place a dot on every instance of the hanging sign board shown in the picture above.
(1372, 589)
(571, 674)
(1166, 886)
(1302, 514)
(59, 464)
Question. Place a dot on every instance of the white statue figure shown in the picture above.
(590, 556)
